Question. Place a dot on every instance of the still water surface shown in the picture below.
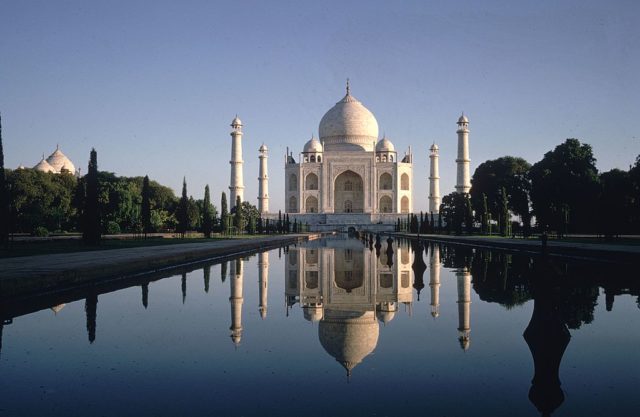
(334, 327)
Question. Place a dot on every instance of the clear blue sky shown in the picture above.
(153, 86)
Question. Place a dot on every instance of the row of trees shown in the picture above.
(564, 192)
(103, 203)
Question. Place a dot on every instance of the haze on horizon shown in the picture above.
(154, 89)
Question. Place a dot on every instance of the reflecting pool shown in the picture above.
(333, 327)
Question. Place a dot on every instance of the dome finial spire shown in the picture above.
(348, 88)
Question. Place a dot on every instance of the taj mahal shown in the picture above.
(350, 175)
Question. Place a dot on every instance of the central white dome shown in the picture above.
(348, 126)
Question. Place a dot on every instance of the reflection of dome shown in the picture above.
(385, 316)
(348, 336)
(313, 145)
(312, 313)
(348, 126)
(59, 161)
(385, 145)
(44, 166)
(57, 308)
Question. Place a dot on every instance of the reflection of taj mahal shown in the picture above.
(348, 289)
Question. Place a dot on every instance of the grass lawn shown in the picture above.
(46, 247)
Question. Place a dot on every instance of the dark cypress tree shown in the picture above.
(239, 218)
(224, 214)
(207, 218)
(504, 212)
(146, 206)
(432, 224)
(4, 197)
(91, 224)
(279, 226)
(183, 210)
(287, 224)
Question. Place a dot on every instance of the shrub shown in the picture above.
(112, 228)
(41, 231)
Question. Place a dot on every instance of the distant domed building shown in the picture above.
(349, 174)
(56, 163)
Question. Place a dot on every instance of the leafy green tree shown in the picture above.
(146, 206)
(193, 214)
(564, 185)
(207, 214)
(484, 215)
(182, 214)
(615, 202)
(454, 211)
(510, 173)
(91, 231)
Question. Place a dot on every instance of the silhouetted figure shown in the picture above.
(223, 271)
(184, 287)
(145, 295)
(370, 239)
(378, 245)
(207, 277)
(418, 266)
(547, 337)
(91, 310)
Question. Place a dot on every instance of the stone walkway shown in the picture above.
(598, 251)
(29, 273)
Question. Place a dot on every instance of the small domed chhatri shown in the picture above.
(313, 145)
(44, 166)
(60, 162)
(385, 145)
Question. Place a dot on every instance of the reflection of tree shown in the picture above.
(207, 277)
(184, 287)
(547, 337)
(501, 278)
(91, 310)
(145, 295)
(418, 266)
(389, 252)
(223, 271)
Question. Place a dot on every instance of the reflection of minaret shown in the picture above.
(91, 309)
(547, 337)
(184, 287)
(463, 184)
(464, 306)
(236, 187)
(207, 277)
(145, 295)
(263, 282)
(434, 280)
(236, 301)
(263, 182)
(434, 181)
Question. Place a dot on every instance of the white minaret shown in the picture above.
(463, 184)
(434, 181)
(263, 282)
(434, 280)
(263, 181)
(236, 301)
(464, 306)
(236, 187)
